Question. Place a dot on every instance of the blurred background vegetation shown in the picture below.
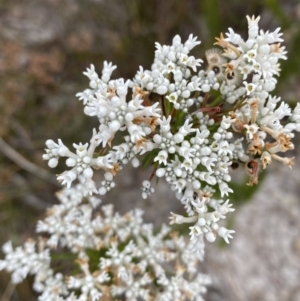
(44, 48)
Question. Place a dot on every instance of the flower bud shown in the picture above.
(160, 172)
(88, 173)
(176, 41)
(161, 90)
(71, 162)
(135, 162)
(210, 237)
(50, 144)
(52, 162)
(114, 125)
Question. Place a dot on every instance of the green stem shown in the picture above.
(163, 106)
(216, 101)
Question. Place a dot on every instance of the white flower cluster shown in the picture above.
(192, 125)
(118, 256)
(191, 138)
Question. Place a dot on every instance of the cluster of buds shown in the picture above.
(192, 124)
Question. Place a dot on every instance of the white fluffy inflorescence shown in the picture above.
(192, 138)
(191, 124)
(118, 256)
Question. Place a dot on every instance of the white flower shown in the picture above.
(188, 165)
(122, 87)
(253, 26)
(67, 177)
(105, 134)
(208, 177)
(172, 97)
(136, 132)
(135, 104)
(104, 161)
(85, 95)
(81, 150)
(165, 124)
(90, 72)
(195, 231)
(224, 189)
(251, 129)
(208, 162)
(186, 151)
(191, 42)
(179, 185)
(121, 150)
(224, 148)
(233, 38)
(225, 208)
(161, 157)
(225, 233)
(186, 128)
(107, 70)
(193, 63)
(226, 122)
(250, 88)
